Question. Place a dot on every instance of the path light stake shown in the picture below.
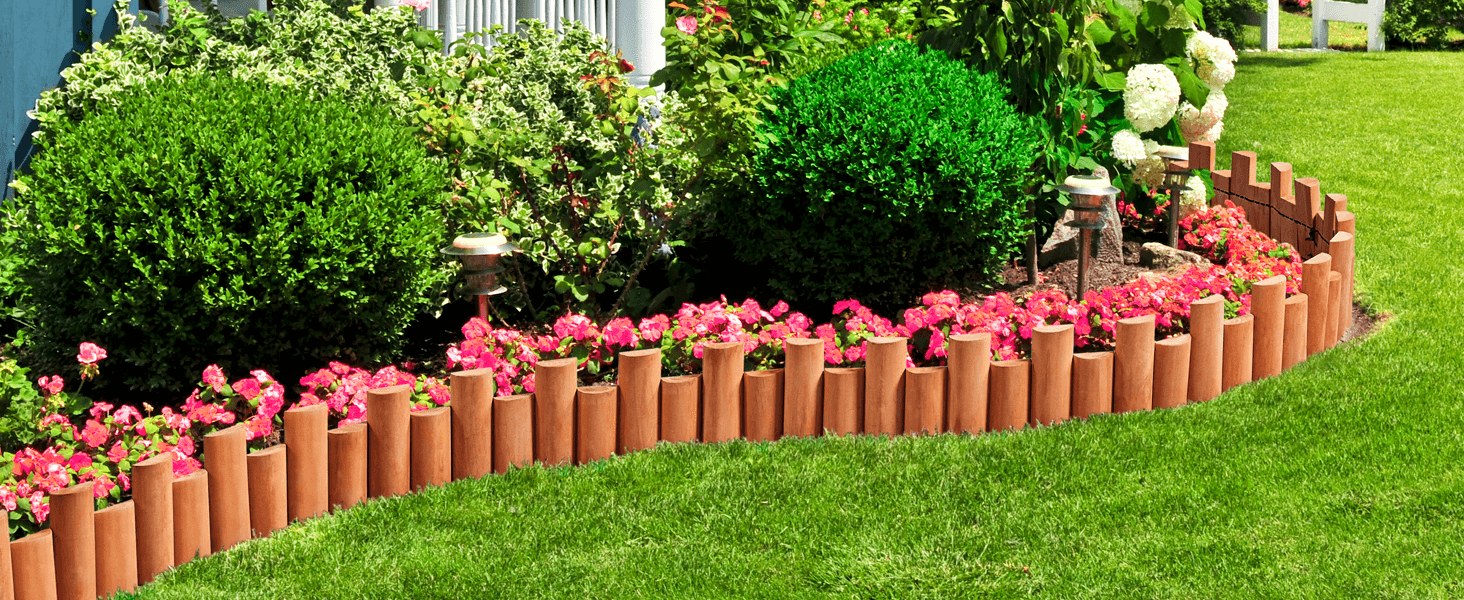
(1176, 180)
(479, 255)
(1088, 193)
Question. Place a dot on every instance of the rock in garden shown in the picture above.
(1155, 255)
(1063, 245)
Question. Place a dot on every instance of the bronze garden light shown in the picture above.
(1088, 193)
(479, 254)
(1176, 179)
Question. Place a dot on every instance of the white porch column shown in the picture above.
(638, 34)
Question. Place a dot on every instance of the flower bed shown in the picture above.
(944, 366)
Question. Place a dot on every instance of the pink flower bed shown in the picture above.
(103, 449)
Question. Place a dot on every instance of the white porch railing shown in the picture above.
(633, 26)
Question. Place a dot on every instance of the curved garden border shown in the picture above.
(88, 553)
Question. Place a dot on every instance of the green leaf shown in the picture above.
(1154, 15)
(1113, 81)
(1196, 11)
(1099, 32)
(1173, 42)
(996, 43)
(1195, 91)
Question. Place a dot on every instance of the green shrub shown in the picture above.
(1426, 22)
(887, 173)
(214, 220)
(1227, 18)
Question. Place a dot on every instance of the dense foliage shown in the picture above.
(549, 143)
(207, 220)
(1069, 63)
(1227, 18)
(1426, 22)
(886, 174)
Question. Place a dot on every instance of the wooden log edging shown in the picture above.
(239, 495)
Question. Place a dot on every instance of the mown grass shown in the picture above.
(1295, 31)
(1339, 479)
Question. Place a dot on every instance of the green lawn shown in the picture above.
(1295, 31)
(1343, 478)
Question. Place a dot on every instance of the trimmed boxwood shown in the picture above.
(888, 173)
(215, 220)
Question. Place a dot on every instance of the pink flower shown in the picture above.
(475, 328)
(185, 446)
(420, 5)
(651, 329)
(94, 434)
(779, 309)
(214, 376)
(117, 453)
(90, 354)
(39, 509)
(100, 410)
(261, 376)
(258, 426)
(186, 466)
(124, 481)
(687, 25)
(79, 461)
(439, 394)
(620, 333)
(126, 415)
(51, 385)
(248, 388)
(7, 497)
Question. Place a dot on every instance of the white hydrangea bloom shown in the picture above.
(1213, 135)
(1128, 147)
(1203, 47)
(1194, 192)
(1151, 98)
(1150, 171)
(1216, 74)
(1194, 123)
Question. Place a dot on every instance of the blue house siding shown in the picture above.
(38, 40)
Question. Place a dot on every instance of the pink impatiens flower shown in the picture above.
(214, 376)
(248, 388)
(420, 5)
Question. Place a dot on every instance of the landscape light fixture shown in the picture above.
(479, 254)
(1088, 193)
(1176, 180)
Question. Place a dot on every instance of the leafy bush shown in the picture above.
(1428, 22)
(547, 141)
(326, 49)
(219, 220)
(1227, 18)
(722, 59)
(885, 174)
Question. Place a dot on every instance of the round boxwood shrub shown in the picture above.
(216, 220)
(884, 174)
